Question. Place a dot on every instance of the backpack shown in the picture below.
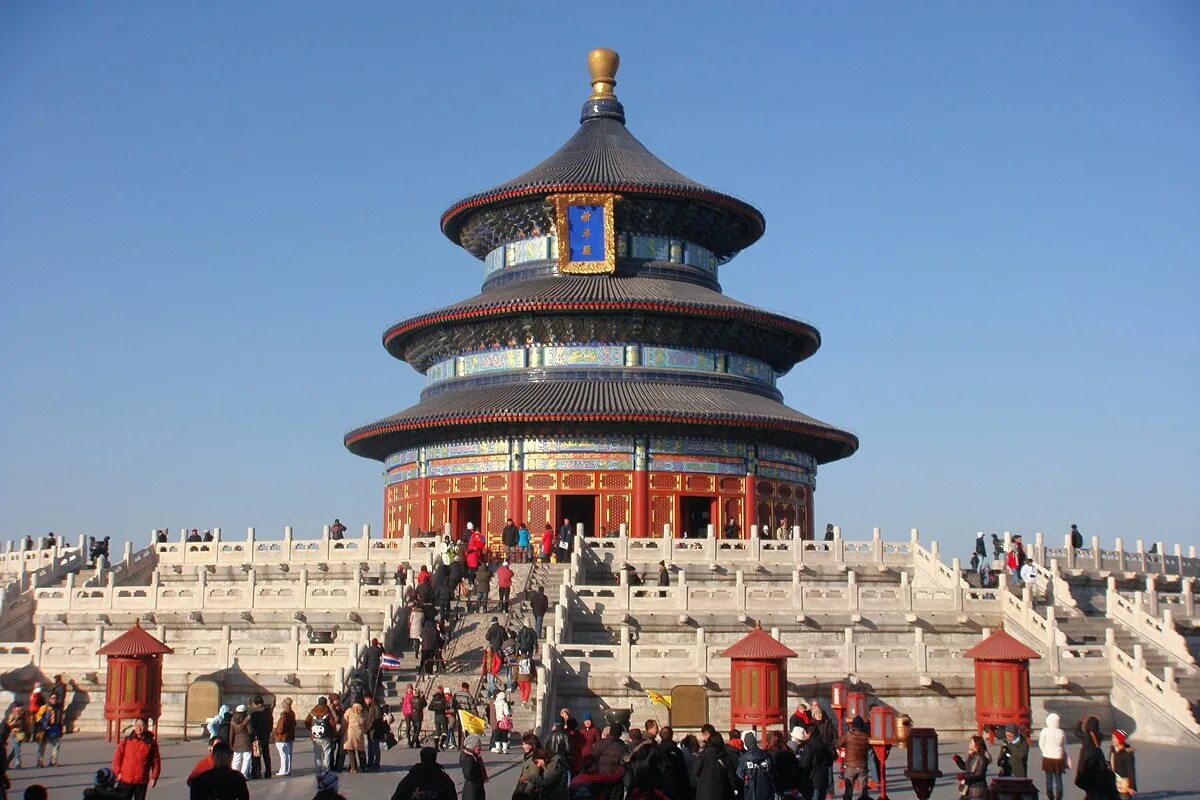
(1076, 539)
(320, 728)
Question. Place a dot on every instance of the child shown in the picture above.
(1122, 759)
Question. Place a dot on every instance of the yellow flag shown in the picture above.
(471, 723)
(659, 699)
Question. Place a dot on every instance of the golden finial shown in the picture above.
(603, 64)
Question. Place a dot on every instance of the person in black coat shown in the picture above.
(712, 772)
(426, 776)
(474, 774)
(1092, 774)
(815, 762)
(675, 782)
(787, 766)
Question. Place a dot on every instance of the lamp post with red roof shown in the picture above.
(1001, 683)
(133, 689)
(758, 680)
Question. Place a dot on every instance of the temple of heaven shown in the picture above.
(600, 375)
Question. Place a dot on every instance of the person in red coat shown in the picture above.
(547, 542)
(136, 762)
(504, 579)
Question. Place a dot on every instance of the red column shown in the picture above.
(639, 514)
(421, 522)
(516, 495)
(749, 510)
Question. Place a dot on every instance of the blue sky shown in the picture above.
(209, 212)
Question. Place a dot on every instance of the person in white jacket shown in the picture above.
(502, 724)
(1052, 743)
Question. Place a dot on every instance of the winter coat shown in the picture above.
(504, 577)
(712, 776)
(523, 537)
(416, 621)
(539, 604)
(136, 760)
(1018, 757)
(856, 744)
(495, 636)
(1124, 767)
(285, 725)
(261, 722)
(675, 782)
(374, 725)
(509, 535)
(590, 736)
(1092, 774)
(815, 763)
(526, 639)
(239, 731)
(473, 775)
(1053, 739)
(354, 731)
(430, 638)
(323, 713)
(554, 779)
(530, 779)
(756, 771)
(789, 776)
(609, 753)
(424, 777)
(975, 777)
(547, 541)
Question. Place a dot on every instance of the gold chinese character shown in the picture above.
(586, 233)
(587, 249)
(585, 216)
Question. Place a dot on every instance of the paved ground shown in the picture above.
(1165, 773)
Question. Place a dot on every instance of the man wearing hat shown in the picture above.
(474, 773)
(104, 787)
(504, 579)
(428, 778)
(1014, 750)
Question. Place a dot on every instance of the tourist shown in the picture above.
(241, 740)
(504, 579)
(49, 725)
(337, 531)
(997, 548)
(440, 707)
(547, 543)
(408, 713)
(463, 700)
(372, 659)
(284, 736)
(377, 728)
(59, 690)
(566, 538)
(981, 546)
(854, 762)
(972, 781)
(1052, 745)
(675, 783)
(664, 574)
(483, 587)
(786, 766)
(641, 762)
(16, 730)
(160, 537)
(755, 771)
(830, 533)
(1076, 537)
(735, 740)
(556, 769)
(207, 537)
(712, 767)
(37, 698)
(221, 781)
(608, 752)
(588, 735)
(501, 721)
(529, 781)
(817, 762)
(322, 727)
(801, 717)
(28, 542)
(431, 643)
(261, 722)
(104, 787)
(508, 537)
(34, 791)
(354, 739)
(539, 603)
(474, 773)
(490, 668)
(732, 530)
(824, 728)
(136, 761)
(1121, 758)
(426, 780)
(1092, 774)
(525, 678)
(327, 786)
(400, 576)
(524, 547)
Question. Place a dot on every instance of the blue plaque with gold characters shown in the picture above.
(585, 227)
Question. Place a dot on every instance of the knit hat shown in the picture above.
(1119, 736)
(800, 733)
(104, 777)
(587, 717)
(327, 781)
(241, 707)
(472, 742)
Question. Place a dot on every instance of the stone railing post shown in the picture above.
(1110, 644)
(1139, 658)
(851, 654)
(852, 591)
(668, 549)
(906, 597)
(1096, 560)
(839, 548)
(249, 542)
(224, 647)
(739, 591)
(1141, 557)
(1039, 548)
(956, 567)
(1120, 547)
(1007, 543)
(1189, 601)
(922, 656)
(251, 581)
(796, 534)
(701, 652)
(1052, 648)
(877, 545)
(202, 584)
(302, 589)
(1069, 549)
(1151, 596)
(797, 591)
(626, 657)
(71, 590)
